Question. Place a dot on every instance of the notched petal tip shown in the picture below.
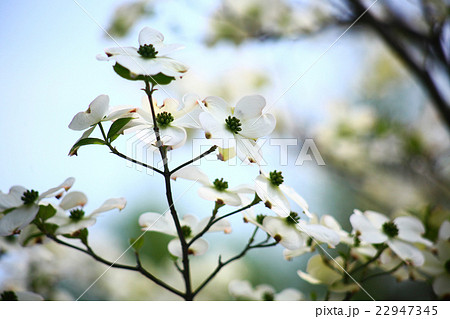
(102, 57)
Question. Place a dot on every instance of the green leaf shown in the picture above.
(116, 127)
(137, 243)
(158, 79)
(46, 212)
(85, 141)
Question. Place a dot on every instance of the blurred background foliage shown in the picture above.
(376, 104)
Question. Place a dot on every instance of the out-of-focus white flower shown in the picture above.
(343, 138)
(235, 129)
(99, 111)
(327, 273)
(150, 58)
(20, 206)
(438, 265)
(171, 119)
(243, 290)
(375, 228)
(216, 191)
(389, 260)
(71, 217)
(272, 191)
(190, 225)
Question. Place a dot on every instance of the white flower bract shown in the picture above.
(68, 222)
(163, 223)
(99, 111)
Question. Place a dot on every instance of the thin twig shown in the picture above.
(163, 151)
(212, 149)
(371, 260)
(422, 74)
(221, 264)
(138, 268)
(116, 152)
(384, 272)
(214, 220)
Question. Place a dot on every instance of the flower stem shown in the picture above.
(384, 272)
(214, 220)
(371, 260)
(212, 149)
(221, 264)
(163, 151)
(137, 268)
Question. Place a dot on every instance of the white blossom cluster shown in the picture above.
(375, 241)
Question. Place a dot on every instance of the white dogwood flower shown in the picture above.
(235, 129)
(294, 233)
(291, 232)
(151, 58)
(71, 217)
(327, 230)
(376, 228)
(99, 111)
(243, 290)
(272, 191)
(190, 226)
(327, 273)
(171, 119)
(216, 191)
(20, 206)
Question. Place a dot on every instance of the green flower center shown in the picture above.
(29, 197)
(390, 229)
(76, 214)
(187, 231)
(268, 296)
(8, 296)
(233, 124)
(147, 51)
(447, 266)
(260, 218)
(276, 178)
(220, 184)
(292, 219)
(164, 119)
